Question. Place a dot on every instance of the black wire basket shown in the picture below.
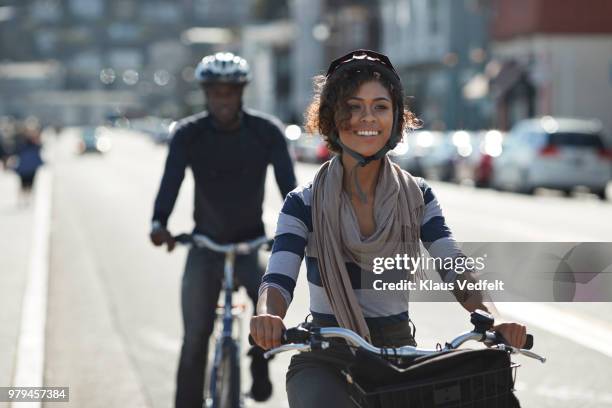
(486, 389)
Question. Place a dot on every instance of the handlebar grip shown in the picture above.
(499, 339)
(183, 238)
(529, 342)
(268, 245)
(293, 335)
(288, 336)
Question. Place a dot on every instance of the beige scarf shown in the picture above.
(398, 211)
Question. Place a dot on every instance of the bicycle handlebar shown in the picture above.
(302, 339)
(306, 338)
(242, 248)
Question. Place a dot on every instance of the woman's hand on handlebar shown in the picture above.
(515, 334)
(267, 330)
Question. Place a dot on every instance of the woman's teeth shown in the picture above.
(367, 133)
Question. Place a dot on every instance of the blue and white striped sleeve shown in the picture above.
(436, 236)
(290, 242)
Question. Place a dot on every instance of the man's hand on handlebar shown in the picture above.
(266, 330)
(515, 334)
(160, 235)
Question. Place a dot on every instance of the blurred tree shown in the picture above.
(265, 10)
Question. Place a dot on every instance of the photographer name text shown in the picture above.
(430, 285)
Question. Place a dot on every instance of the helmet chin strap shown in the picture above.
(363, 161)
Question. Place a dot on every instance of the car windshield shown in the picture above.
(571, 139)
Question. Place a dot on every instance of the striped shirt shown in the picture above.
(294, 241)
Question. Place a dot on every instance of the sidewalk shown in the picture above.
(76, 343)
(15, 241)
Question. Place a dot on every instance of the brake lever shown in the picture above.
(493, 338)
(287, 347)
(533, 355)
(516, 350)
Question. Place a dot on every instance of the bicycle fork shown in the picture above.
(228, 288)
(227, 328)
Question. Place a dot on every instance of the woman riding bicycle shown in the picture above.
(360, 206)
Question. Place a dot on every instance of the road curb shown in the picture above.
(30, 357)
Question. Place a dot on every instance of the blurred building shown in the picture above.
(352, 24)
(553, 58)
(267, 47)
(440, 48)
(117, 57)
(307, 54)
(325, 30)
(267, 43)
(22, 84)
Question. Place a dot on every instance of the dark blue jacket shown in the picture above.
(29, 159)
(229, 169)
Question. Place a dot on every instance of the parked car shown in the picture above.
(158, 129)
(311, 149)
(409, 154)
(94, 140)
(474, 163)
(439, 162)
(557, 153)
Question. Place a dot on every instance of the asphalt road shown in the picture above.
(113, 325)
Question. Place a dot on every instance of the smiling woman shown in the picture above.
(371, 122)
(359, 206)
(336, 104)
(359, 110)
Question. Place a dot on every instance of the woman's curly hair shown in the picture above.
(329, 110)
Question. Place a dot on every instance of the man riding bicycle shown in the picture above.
(228, 149)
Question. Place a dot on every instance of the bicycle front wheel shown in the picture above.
(225, 381)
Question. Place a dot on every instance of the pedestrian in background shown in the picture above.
(3, 154)
(27, 158)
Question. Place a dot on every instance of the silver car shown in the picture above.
(557, 153)
(415, 147)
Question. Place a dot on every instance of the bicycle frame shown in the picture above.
(228, 315)
(227, 323)
(228, 288)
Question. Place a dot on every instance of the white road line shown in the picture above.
(161, 341)
(29, 367)
(577, 395)
(586, 331)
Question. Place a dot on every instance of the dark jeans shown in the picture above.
(27, 180)
(199, 295)
(314, 379)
